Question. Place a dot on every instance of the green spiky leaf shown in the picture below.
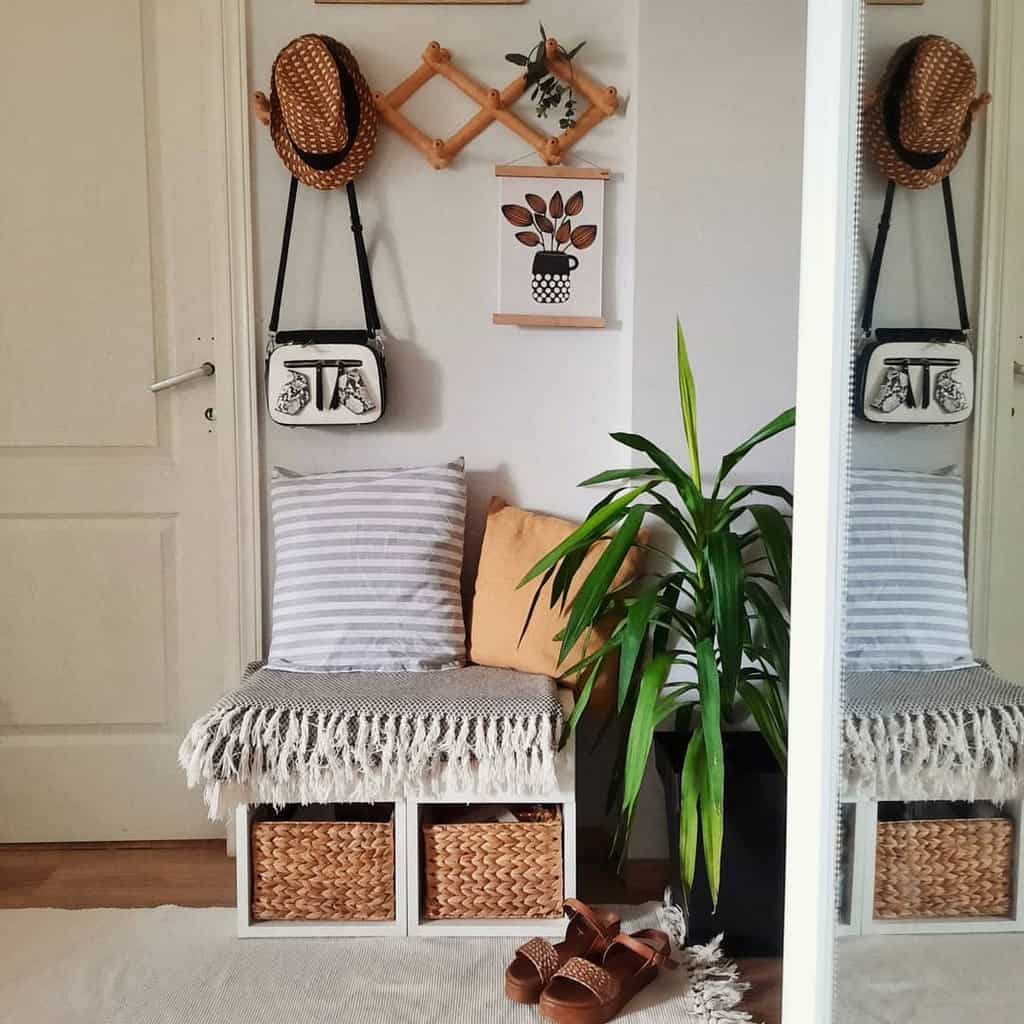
(688, 402)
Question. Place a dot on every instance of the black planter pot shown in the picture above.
(752, 890)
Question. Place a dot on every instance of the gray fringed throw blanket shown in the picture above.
(956, 735)
(303, 737)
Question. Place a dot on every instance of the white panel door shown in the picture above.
(111, 639)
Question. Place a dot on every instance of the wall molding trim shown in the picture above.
(994, 354)
(827, 302)
(237, 420)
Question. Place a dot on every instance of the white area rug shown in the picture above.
(177, 966)
(930, 979)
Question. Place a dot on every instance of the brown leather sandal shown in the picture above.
(581, 992)
(588, 933)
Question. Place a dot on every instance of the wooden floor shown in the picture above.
(200, 874)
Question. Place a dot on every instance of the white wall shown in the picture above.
(720, 114)
(530, 409)
(719, 153)
(704, 205)
(917, 277)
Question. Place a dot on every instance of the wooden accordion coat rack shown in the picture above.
(495, 106)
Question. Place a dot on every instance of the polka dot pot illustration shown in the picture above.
(551, 280)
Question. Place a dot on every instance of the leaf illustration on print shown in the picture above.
(564, 232)
(544, 224)
(518, 216)
(556, 208)
(530, 238)
(583, 236)
(536, 203)
(574, 207)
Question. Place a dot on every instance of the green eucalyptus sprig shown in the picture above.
(709, 632)
(548, 92)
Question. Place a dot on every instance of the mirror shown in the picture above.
(929, 906)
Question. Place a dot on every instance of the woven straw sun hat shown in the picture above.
(918, 119)
(322, 117)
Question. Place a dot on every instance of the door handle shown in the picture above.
(1018, 368)
(205, 370)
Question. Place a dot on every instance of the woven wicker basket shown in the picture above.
(493, 869)
(323, 871)
(947, 868)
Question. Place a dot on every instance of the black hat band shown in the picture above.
(891, 109)
(328, 161)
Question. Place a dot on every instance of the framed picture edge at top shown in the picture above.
(551, 266)
(434, 2)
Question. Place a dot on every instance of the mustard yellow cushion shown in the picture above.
(514, 541)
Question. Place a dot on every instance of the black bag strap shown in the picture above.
(282, 262)
(954, 251)
(875, 269)
(365, 281)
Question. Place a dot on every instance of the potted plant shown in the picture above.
(702, 642)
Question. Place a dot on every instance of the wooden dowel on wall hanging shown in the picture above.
(435, 3)
(404, 90)
(526, 171)
(439, 60)
(590, 118)
(494, 106)
(429, 147)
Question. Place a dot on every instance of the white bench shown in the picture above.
(920, 736)
(408, 867)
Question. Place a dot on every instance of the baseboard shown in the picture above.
(128, 844)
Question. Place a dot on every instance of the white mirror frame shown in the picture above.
(827, 296)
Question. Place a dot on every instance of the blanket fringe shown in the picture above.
(276, 757)
(966, 754)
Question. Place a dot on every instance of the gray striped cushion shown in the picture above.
(367, 570)
(906, 596)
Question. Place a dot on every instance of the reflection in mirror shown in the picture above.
(929, 902)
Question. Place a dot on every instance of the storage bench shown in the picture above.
(412, 912)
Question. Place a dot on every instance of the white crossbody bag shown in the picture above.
(915, 374)
(317, 377)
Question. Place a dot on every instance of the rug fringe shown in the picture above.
(966, 754)
(277, 757)
(715, 988)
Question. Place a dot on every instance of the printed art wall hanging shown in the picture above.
(550, 249)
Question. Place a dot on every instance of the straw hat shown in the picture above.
(918, 119)
(321, 112)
